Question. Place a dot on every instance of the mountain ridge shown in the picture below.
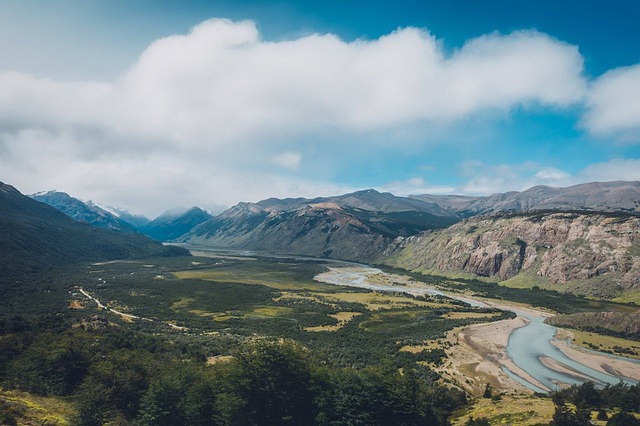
(35, 236)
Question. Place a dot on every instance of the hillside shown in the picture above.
(355, 226)
(83, 212)
(624, 324)
(170, 226)
(595, 196)
(35, 236)
(588, 253)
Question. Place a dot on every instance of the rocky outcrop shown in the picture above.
(575, 248)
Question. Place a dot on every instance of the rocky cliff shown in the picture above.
(589, 253)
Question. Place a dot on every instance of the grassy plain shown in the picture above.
(279, 298)
(610, 344)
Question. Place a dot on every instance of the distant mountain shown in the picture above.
(35, 236)
(356, 226)
(592, 253)
(171, 225)
(594, 196)
(84, 212)
(133, 219)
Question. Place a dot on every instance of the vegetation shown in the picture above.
(269, 355)
(620, 399)
(535, 296)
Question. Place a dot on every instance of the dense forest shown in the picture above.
(118, 376)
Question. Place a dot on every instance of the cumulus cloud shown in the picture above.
(288, 160)
(490, 179)
(613, 105)
(616, 169)
(204, 109)
(414, 185)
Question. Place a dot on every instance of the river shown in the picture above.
(529, 347)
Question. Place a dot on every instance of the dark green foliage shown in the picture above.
(8, 414)
(565, 416)
(623, 419)
(36, 237)
(620, 395)
(487, 391)
(271, 384)
(477, 422)
(115, 386)
(188, 394)
(554, 300)
(587, 397)
(51, 365)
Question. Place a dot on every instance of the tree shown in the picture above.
(564, 416)
(487, 391)
(477, 422)
(623, 418)
(270, 383)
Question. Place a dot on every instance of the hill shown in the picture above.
(83, 212)
(594, 196)
(356, 226)
(35, 236)
(585, 252)
(170, 226)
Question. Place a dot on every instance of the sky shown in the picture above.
(153, 105)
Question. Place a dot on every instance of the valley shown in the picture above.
(369, 294)
(359, 316)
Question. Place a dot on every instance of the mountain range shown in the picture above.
(594, 196)
(582, 238)
(355, 226)
(171, 225)
(35, 236)
(84, 212)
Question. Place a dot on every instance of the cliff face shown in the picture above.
(556, 248)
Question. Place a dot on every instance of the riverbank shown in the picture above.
(521, 355)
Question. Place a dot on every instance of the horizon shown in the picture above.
(146, 106)
(179, 210)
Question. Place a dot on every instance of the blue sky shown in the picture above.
(153, 104)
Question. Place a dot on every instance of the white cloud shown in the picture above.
(551, 174)
(616, 169)
(415, 185)
(502, 178)
(197, 114)
(488, 179)
(613, 105)
(288, 160)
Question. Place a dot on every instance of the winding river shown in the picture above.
(529, 347)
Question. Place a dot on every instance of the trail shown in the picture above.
(125, 315)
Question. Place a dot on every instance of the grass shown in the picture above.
(342, 317)
(611, 344)
(516, 410)
(279, 280)
(279, 298)
(30, 409)
(630, 297)
(467, 315)
(527, 280)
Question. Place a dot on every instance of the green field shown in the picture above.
(278, 298)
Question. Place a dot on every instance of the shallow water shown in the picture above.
(526, 344)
